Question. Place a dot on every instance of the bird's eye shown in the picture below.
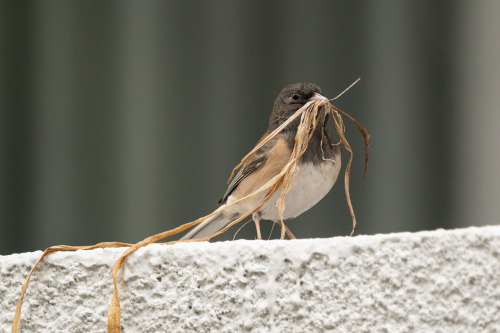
(295, 97)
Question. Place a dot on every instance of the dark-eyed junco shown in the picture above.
(317, 169)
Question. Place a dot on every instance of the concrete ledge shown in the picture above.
(439, 281)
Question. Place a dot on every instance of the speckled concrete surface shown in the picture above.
(438, 281)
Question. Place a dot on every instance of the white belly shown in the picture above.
(310, 185)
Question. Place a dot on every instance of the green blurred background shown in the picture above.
(121, 119)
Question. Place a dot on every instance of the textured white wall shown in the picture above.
(439, 281)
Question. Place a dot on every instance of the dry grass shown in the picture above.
(310, 117)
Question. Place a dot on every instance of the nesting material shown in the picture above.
(310, 117)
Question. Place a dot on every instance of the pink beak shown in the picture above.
(319, 97)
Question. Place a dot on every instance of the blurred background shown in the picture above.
(122, 119)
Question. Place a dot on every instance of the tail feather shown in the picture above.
(210, 226)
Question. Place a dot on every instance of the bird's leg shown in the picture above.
(287, 230)
(256, 218)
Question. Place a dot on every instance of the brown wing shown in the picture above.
(259, 169)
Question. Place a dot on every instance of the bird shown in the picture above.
(317, 169)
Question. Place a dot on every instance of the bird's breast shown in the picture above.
(311, 183)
